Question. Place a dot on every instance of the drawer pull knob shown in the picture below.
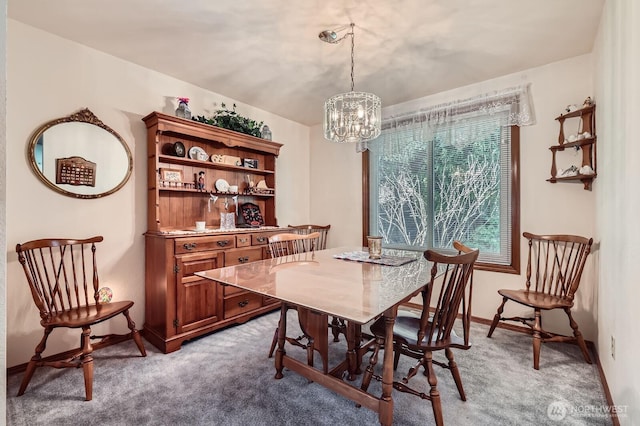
(261, 239)
(189, 246)
(243, 259)
(223, 243)
(243, 303)
(243, 240)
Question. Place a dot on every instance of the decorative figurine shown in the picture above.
(183, 110)
(201, 181)
(587, 102)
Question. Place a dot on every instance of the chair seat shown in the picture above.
(537, 300)
(405, 330)
(86, 315)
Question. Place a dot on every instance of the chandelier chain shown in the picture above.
(353, 36)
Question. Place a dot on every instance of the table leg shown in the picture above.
(314, 325)
(385, 415)
(353, 345)
(282, 332)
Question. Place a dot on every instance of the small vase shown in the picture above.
(183, 110)
(227, 220)
(266, 133)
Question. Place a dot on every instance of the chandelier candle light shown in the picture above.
(352, 117)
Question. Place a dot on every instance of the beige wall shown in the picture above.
(51, 77)
(545, 208)
(617, 89)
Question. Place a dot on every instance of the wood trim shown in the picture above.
(365, 197)
(181, 126)
(605, 386)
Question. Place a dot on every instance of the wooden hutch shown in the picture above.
(184, 187)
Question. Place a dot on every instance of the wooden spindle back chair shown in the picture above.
(419, 336)
(63, 278)
(288, 244)
(554, 271)
(466, 303)
(309, 229)
(337, 324)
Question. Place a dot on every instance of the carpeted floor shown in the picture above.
(226, 379)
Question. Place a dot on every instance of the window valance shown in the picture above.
(516, 100)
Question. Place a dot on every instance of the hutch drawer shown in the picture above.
(243, 240)
(243, 255)
(241, 303)
(194, 244)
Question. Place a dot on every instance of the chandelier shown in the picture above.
(352, 117)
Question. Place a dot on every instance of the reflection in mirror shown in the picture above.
(79, 156)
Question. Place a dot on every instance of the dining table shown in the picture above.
(342, 282)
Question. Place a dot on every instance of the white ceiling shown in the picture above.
(266, 53)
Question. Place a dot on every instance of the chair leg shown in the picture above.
(497, 316)
(397, 349)
(86, 359)
(537, 339)
(274, 342)
(310, 344)
(578, 336)
(434, 394)
(455, 373)
(368, 374)
(134, 333)
(35, 359)
(335, 329)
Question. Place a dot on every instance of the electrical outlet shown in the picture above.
(613, 347)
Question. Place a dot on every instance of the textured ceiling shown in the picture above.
(266, 53)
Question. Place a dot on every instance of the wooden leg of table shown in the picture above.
(358, 335)
(385, 414)
(353, 346)
(282, 332)
(314, 324)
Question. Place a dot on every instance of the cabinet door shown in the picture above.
(199, 301)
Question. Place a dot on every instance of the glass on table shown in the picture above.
(375, 247)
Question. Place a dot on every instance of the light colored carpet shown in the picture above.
(226, 379)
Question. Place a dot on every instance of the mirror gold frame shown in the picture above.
(74, 174)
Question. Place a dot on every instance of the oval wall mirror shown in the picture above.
(79, 156)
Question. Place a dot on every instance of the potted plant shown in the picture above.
(231, 120)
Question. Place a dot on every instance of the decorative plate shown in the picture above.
(197, 153)
(222, 185)
(179, 149)
(251, 214)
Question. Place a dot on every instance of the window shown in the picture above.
(429, 185)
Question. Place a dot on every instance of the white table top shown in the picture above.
(355, 291)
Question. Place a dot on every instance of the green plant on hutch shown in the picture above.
(231, 120)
